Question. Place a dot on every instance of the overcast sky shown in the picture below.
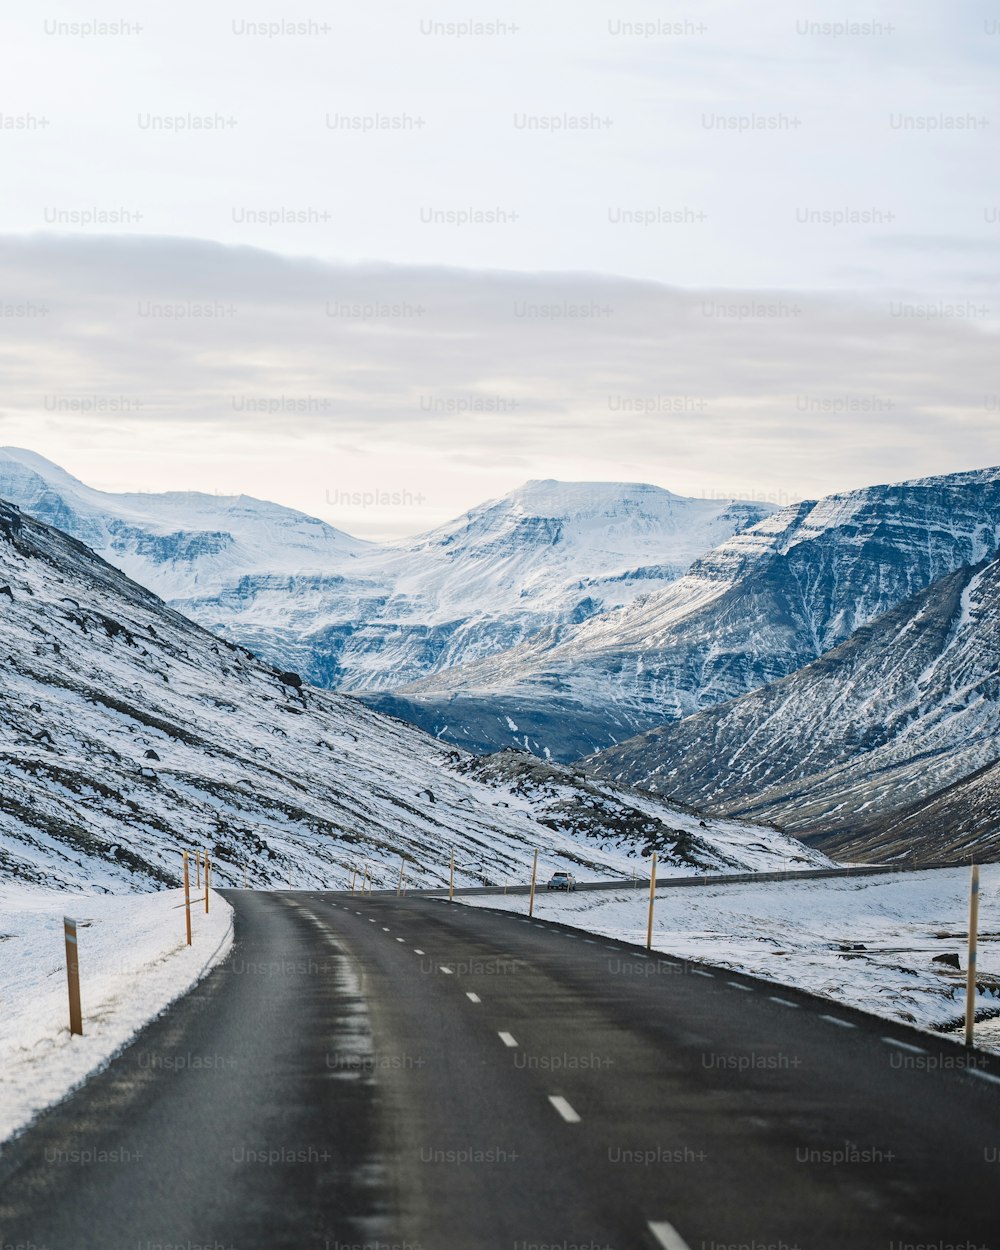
(723, 248)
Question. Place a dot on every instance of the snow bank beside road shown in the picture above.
(795, 933)
(134, 961)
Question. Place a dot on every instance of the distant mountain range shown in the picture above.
(352, 615)
(759, 607)
(128, 733)
(831, 667)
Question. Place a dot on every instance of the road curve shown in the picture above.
(389, 1073)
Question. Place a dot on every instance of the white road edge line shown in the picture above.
(564, 1109)
(844, 1024)
(508, 1039)
(914, 1050)
(984, 1076)
(784, 1002)
(668, 1236)
(473, 998)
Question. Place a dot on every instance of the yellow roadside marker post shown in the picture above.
(534, 874)
(73, 977)
(970, 973)
(187, 897)
(652, 900)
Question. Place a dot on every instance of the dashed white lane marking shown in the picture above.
(590, 941)
(914, 1050)
(668, 1236)
(639, 955)
(447, 971)
(783, 1002)
(371, 919)
(357, 913)
(417, 951)
(508, 1039)
(984, 1076)
(844, 1024)
(700, 972)
(736, 986)
(400, 939)
(385, 928)
(473, 998)
(564, 1109)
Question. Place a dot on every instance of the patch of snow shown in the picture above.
(134, 961)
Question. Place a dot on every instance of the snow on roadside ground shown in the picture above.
(793, 932)
(134, 961)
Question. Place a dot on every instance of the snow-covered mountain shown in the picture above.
(350, 615)
(907, 708)
(128, 733)
(760, 606)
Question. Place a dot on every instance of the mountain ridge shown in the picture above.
(762, 605)
(352, 615)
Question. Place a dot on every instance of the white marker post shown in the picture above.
(451, 877)
(73, 977)
(187, 898)
(534, 874)
(652, 900)
(970, 974)
(399, 884)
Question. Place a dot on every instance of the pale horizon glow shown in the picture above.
(656, 171)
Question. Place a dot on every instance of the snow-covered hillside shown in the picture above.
(351, 615)
(617, 818)
(760, 606)
(127, 733)
(907, 707)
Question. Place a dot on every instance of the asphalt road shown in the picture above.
(414, 1075)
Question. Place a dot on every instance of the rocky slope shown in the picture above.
(907, 707)
(959, 824)
(759, 607)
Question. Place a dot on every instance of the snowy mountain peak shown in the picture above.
(559, 498)
(358, 615)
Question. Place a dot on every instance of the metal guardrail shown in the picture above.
(708, 878)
